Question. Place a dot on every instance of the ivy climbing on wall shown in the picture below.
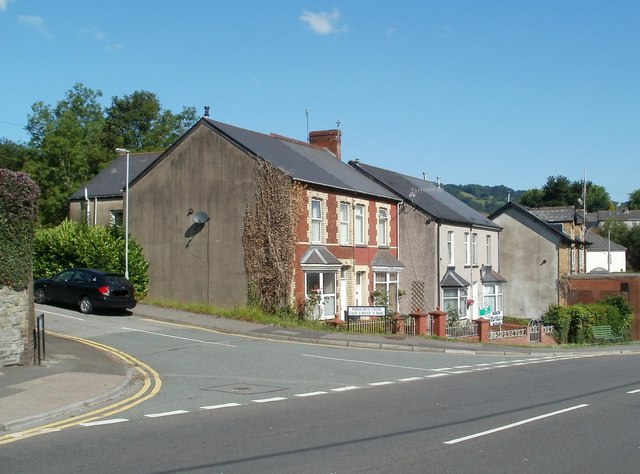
(269, 238)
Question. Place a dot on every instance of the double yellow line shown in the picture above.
(150, 388)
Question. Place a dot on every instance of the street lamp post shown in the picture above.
(126, 216)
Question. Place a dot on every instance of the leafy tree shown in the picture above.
(559, 191)
(66, 140)
(626, 236)
(533, 198)
(13, 155)
(634, 199)
(138, 122)
(633, 249)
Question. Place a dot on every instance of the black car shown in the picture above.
(88, 288)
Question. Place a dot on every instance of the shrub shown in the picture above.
(560, 318)
(18, 213)
(73, 244)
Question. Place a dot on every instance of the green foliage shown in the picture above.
(634, 200)
(574, 324)
(485, 199)
(73, 244)
(560, 318)
(75, 139)
(137, 121)
(13, 156)
(626, 236)
(67, 150)
(18, 210)
(559, 191)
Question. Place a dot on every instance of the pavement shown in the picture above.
(74, 377)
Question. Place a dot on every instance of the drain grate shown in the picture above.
(244, 389)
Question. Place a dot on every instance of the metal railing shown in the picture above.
(462, 329)
(39, 347)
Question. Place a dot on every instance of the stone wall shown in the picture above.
(14, 326)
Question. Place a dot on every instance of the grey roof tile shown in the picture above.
(111, 180)
(303, 162)
(428, 196)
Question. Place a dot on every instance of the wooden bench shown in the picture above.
(603, 333)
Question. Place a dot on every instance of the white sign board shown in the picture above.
(495, 319)
(361, 311)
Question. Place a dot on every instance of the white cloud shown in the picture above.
(324, 23)
(94, 33)
(35, 22)
(3, 5)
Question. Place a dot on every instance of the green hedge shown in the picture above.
(574, 324)
(73, 244)
(18, 214)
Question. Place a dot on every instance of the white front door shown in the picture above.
(343, 293)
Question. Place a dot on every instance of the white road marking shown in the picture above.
(268, 400)
(104, 422)
(411, 379)
(369, 363)
(223, 405)
(513, 425)
(378, 384)
(179, 337)
(310, 394)
(59, 314)
(344, 389)
(433, 376)
(166, 413)
(634, 391)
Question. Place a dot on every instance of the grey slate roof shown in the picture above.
(527, 212)
(427, 196)
(489, 275)
(319, 255)
(111, 180)
(384, 259)
(619, 215)
(554, 214)
(599, 243)
(452, 280)
(303, 162)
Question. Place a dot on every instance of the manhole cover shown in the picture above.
(245, 389)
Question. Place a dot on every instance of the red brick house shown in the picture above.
(346, 238)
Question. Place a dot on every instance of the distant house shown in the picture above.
(100, 201)
(629, 218)
(450, 251)
(189, 211)
(538, 248)
(604, 255)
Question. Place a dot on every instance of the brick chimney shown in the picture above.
(329, 139)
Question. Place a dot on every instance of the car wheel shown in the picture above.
(86, 306)
(40, 297)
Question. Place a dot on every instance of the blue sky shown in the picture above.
(469, 91)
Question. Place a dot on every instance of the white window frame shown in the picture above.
(456, 301)
(327, 299)
(383, 227)
(492, 292)
(474, 249)
(467, 249)
(450, 248)
(388, 282)
(488, 247)
(360, 228)
(343, 225)
(316, 221)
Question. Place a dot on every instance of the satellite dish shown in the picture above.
(200, 217)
